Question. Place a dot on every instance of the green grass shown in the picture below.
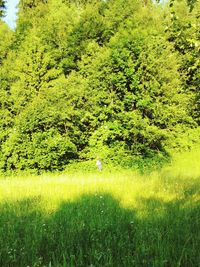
(103, 219)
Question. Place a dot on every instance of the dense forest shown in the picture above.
(115, 79)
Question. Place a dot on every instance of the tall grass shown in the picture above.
(103, 219)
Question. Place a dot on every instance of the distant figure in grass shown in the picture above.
(99, 164)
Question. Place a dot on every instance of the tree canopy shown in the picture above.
(2, 7)
(116, 79)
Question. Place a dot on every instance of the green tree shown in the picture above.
(135, 91)
(183, 33)
(29, 4)
(116, 78)
(6, 104)
(2, 8)
(34, 70)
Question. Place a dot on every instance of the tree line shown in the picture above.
(117, 79)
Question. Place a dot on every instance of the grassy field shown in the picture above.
(103, 219)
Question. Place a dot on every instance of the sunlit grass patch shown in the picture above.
(102, 219)
(184, 165)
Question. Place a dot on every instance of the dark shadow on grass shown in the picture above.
(91, 231)
(95, 230)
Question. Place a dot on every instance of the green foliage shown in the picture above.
(183, 33)
(139, 101)
(2, 7)
(41, 151)
(116, 79)
(26, 4)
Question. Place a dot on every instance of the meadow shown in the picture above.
(108, 218)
